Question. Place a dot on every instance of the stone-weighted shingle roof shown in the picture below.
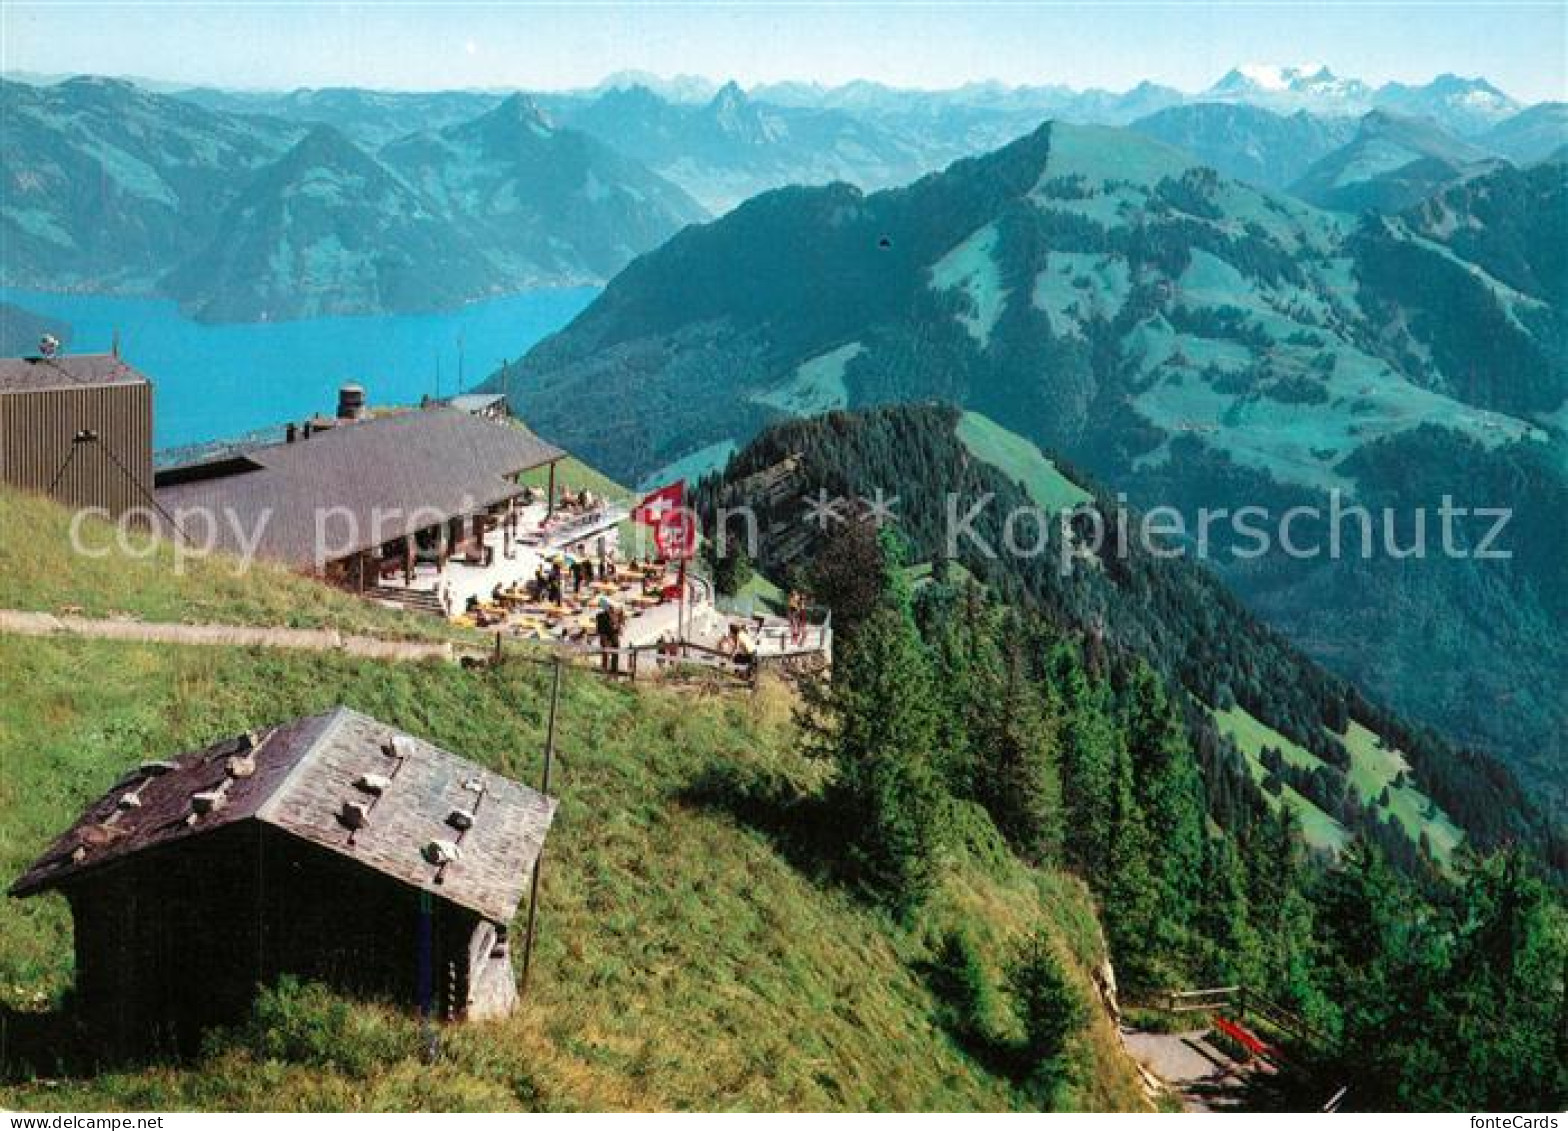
(296, 777)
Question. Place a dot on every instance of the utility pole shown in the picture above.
(544, 787)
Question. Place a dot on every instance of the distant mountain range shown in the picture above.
(1391, 163)
(1531, 135)
(326, 229)
(1248, 142)
(732, 146)
(543, 203)
(245, 216)
(116, 187)
(109, 186)
(1184, 336)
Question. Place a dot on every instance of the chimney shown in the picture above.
(351, 402)
(291, 433)
(307, 430)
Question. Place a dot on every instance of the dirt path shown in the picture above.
(1205, 1078)
(19, 623)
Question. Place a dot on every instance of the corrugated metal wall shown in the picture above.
(36, 431)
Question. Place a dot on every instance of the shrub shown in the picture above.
(959, 981)
(307, 1024)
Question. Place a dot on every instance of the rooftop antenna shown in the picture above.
(438, 376)
(114, 344)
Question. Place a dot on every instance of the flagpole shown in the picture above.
(680, 614)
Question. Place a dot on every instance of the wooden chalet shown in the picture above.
(333, 848)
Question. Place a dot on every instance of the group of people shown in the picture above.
(551, 580)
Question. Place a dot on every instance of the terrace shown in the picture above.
(513, 574)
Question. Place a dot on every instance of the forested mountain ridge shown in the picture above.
(1128, 603)
(1079, 749)
(1391, 163)
(1186, 338)
(1246, 142)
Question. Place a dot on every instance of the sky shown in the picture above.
(1520, 45)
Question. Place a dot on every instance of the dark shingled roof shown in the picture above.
(411, 469)
(66, 371)
(300, 775)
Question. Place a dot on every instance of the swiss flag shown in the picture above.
(663, 506)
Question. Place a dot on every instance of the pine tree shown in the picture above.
(1051, 1011)
(1017, 750)
(1170, 793)
(1224, 919)
(850, 575)
(958, 625)
(1088, 759)
(881, 735)
(1504, 992)
(732, 569)
(959, 981)
(1127, 888)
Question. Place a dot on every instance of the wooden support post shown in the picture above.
(544, 787)
(549, 500)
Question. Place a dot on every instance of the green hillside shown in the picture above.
(1020, 460)
(1188, 340)
(686, 959)
(1172, 613)
(1373, 767)
(1251, 738)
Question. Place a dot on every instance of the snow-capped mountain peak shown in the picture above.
(1271, 76)
(1306, 86)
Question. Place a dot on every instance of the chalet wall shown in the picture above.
(36, 431)
(179, 939)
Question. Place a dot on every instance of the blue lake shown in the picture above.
(217, 380)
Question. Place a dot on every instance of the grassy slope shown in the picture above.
(38, 572)
(1374, 767)
(1020, 460)
(574, 473)
(1251, 736)
(684, 961)
(1371, 769)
